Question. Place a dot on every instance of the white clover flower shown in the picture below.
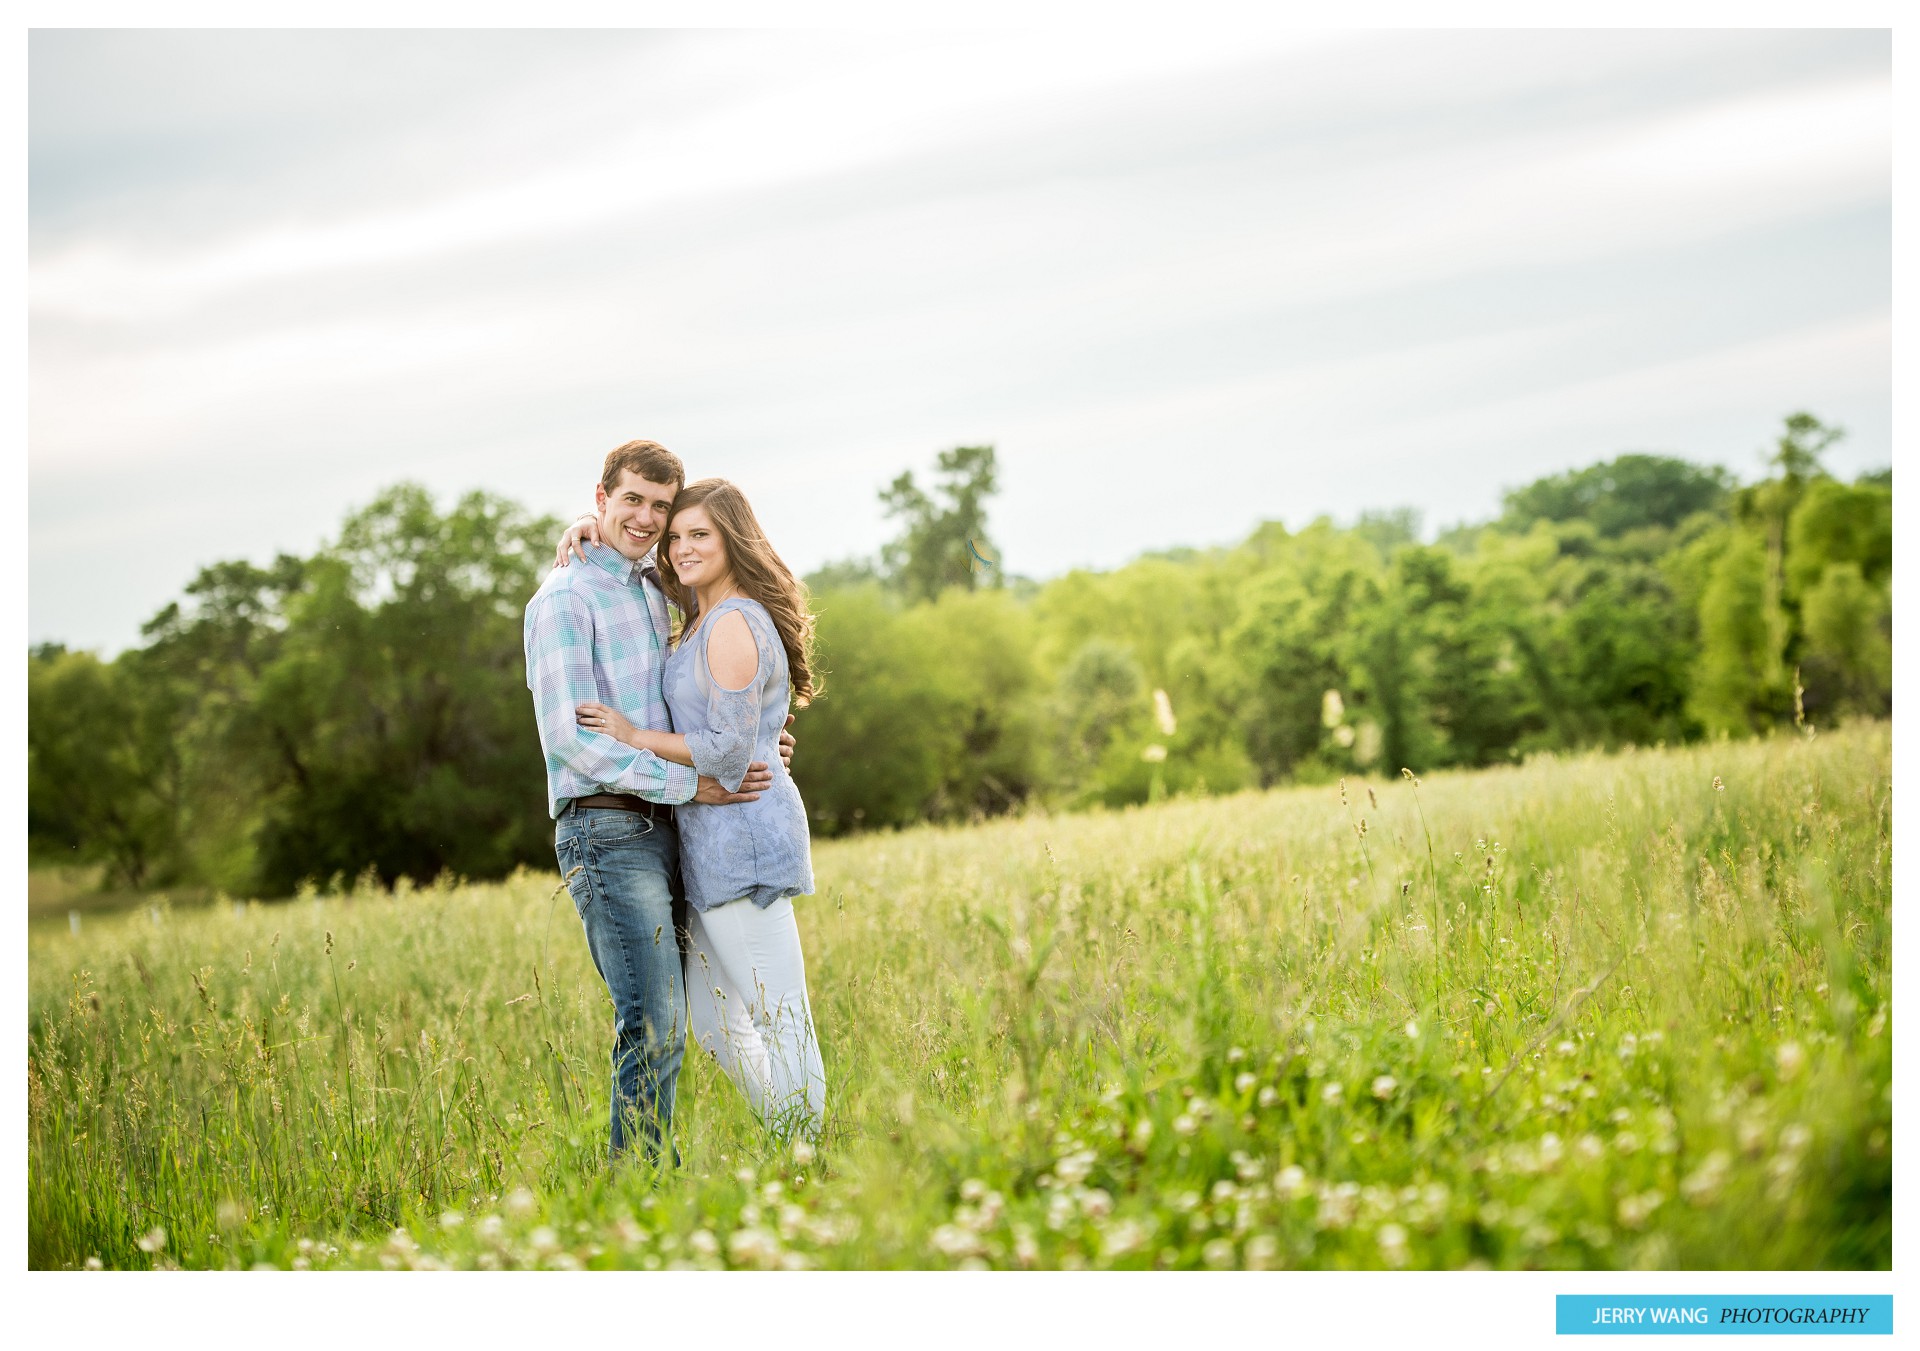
(1702, 1185)
(153, 1240)
(1332, 1092)
(490, 1226)
(1122, 1237)
(1073, 1168)
(1268, 1096)
(1789, 1059)
(753, 1246)
(1142, 1133)
(451, 1219)
(1634, 1210)
(802, 1153)
(1219, 1254)
(1393, 1244)
(703, 1243)
(1383, 1085)
(1184, 1124)
(972, 1190)
(1590, 1146)
(1243, 1081)
(543, 1239)
(520, 1202)
(1096, 1204)
(1290, 1181)
(1262, 1250)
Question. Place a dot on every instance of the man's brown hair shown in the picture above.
(649, 459)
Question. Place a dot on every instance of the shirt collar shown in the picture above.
(618, 564)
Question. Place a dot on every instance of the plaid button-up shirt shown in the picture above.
(597, 631)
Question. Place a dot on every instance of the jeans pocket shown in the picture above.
(613, 826)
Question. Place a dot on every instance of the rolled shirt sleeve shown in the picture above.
(559, 650)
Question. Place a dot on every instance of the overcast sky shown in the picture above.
(1184, 283)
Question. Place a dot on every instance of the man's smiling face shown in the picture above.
(633, 513)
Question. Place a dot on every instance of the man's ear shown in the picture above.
(599, 497)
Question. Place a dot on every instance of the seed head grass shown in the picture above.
(1588, 1012)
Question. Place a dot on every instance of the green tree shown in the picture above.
(1627, 493)
(945, 528)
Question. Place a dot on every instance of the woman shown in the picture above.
(745, 648)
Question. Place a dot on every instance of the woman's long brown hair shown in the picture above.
(757, 570)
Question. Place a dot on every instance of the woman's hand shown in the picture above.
(586, 528)
(607, 721)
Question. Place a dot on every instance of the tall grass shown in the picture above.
(1587, 1012)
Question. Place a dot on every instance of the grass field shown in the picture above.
(1617, 1011)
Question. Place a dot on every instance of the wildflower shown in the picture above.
(1393, 1244)
(1718, 786)
(520, 1202)
(1142, 1133)
(452, 1219)
(1163, 713)
(1262, 1249)
(1338, 1205)
(704, 1244)
(802, 1153)
(1025, 1251)
(1789, 1059)
(1626, 1142)
(1243, 1082)
(1795, 1138)
(1184, 1124)
(753, 1246)
(1268, 1096)
(543, 1239)
(153, 1240)
(1096, 1204)
(490, 1227)
(1332, 709)
(1634, 1210)
(1154, 754)
(1702, 1185)
(1412, 1029)
(972, 1190)
(1332, 1092)
(1218, 1254)
(1383, 1086)
(1125, 1236)
(1221, 1192)
(93, 1264)
(1290, 1181)
(1590, 1146)
(1074, 1167)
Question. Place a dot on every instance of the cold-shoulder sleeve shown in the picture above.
(724, 749)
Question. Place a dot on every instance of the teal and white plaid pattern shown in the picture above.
(596, 632)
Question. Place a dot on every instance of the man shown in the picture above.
(598, 632)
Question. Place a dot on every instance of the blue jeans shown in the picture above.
(623, 871)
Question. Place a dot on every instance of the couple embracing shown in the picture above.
(662, 664)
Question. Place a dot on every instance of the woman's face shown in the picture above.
(695, 550)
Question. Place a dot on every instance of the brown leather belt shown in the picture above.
(625, 802)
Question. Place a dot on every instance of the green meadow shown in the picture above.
(1623, 1011)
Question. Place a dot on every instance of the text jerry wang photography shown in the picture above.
(886, 651)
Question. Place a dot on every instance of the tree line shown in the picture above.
(365, 708)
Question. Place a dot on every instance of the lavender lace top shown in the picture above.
(753, 850)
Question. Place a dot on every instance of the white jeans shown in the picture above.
(747, 1001)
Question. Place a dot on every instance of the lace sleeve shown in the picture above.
(725, 748)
